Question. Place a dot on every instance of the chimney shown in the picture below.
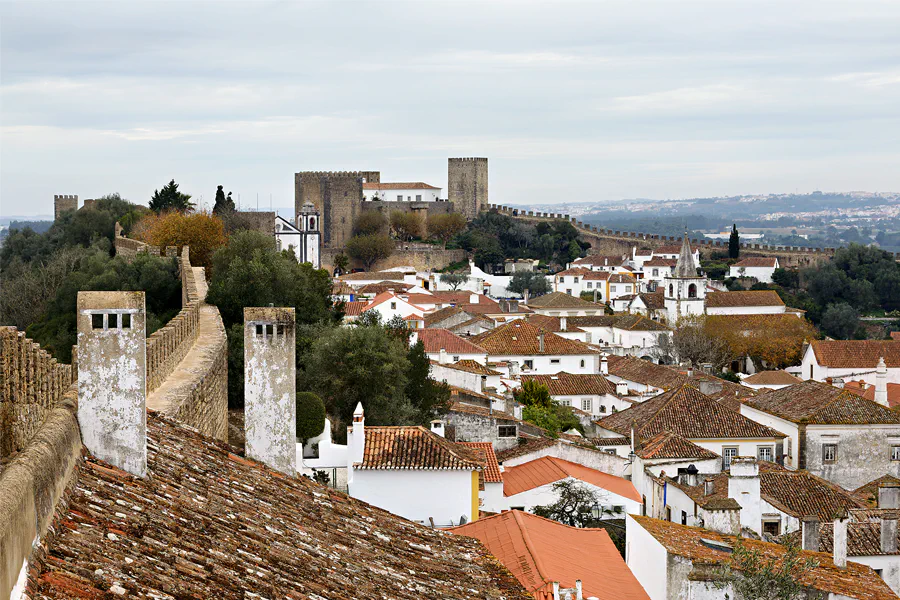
(541, 341)
(709, 486)
(356, 442)
(889, 495)
(513, 369)
(442, 357)
(689, 476)
(525, 296)
(578, 590)
(838, 382)
(889, 532)
(112, 378)
(881, 383)
(484, 383)
(555, 590)
(474, 299)
(840, 539)
(744, 487)
(710, 388)
(562, 325)
(437, 427)
(604, 365)
(622, 388)
(270, 387)
(810, 533)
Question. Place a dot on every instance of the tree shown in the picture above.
(169, 198)
(310, 416)
(664, 351)
(454, 280)
(371, 222)
(752, 574)
(694, 344)
(734, 242)
(840, 321)
(369, 249)
(445, 227)
(775, 339)
(223, 205)
(535, 283)
(427, 396)
(532, 393)
(203, 232)
(406, 225)
(574, 504)
(786, 278)
(341, 263)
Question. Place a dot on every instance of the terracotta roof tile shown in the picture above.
(465, 298)
(549, 469)
(413, 448)
(567, 384)
(560, 300)
(690, 414)
(529, 446)
(666, 444)
(435, 338)
(519, 338)
(673, 249)
(372, 275)
(856, 354)
(863, 538)
(659, 261)
(204, 516)
(772, 378)
(469, 366)
(481, 411)
(868, 492)
(399, 185)
(384, 286)
(743, 298)
(485, 451)
(662, 377)
(539, 552)
(854, 581)
(654, 301)
(354, 309)
(818, 403)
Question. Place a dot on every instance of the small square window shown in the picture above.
(126, 321)
(565, 402)
(393, 306)
(554, 361)
(764, 453)
(455, 359)
(399, 197)
(574, 280)
(281, 330)
(829, 453)
(772, 527)
(269, 330)
(97, 321)
(259, 330)
(112, 320)
(418, 197)
(529, 364)
(895, 452)
(506, 431)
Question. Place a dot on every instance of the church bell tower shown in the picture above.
(310, 237)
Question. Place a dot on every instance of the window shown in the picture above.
(669, 513)
(789, 446)
(829, 453)
(269, 329)
(554, 361)
(772, 526)
(656, 272)
(764, 453)
(569, 292)
(418, 197)
(506, 431)
(671, 290)
(259, 331)
(627, 289)
(612, 289)
(97, 321)
(280, 330)
(582, 363)
(590, 285)
(683, 518)
(810, 371)
(455, 359)
(895, 452)
(728, 452)
(393, 306)
(399, 197)
(564, 402)
(574, 280)
(692, 290)
(643, 506)
(112, 321)
(529, 364)
(126, 321)
(586, 404)
(522, 508)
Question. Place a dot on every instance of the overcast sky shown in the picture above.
(570, 102)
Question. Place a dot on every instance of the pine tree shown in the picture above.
(169, 198)
(734, 242)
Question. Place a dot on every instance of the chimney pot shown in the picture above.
(708, 486)
(541, 341)
(437, 427)
(604, 365)
(889, 532)
(442, 357)
(810, 533)
(562, 323)
(889, 495)
(840, 540)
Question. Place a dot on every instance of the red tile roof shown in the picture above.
(659, 261)
(485, 451)
(414, 448)
(673, 249)
(519, 338)
(203, 516)
(690, 414)
(771, 378)
(756, 261)
(856, 354)
(531, 444)
(549, 469)
(469, 366)
(465, 298)
(665, 378)
(855, 581)
(384, 286)
(354, 309)
(743, 298)
(561, 300)
(666, 444)
(381, 276)
(399, 185)
(435, 338)
(567, 384)
(539, 552)
(818, 403)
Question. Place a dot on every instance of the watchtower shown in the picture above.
(63, 203)
(467, 185)
(338, 196)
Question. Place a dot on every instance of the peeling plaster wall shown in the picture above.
(112, 378)
(270, 387)
(863, 453)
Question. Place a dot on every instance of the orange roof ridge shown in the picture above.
(529, 545)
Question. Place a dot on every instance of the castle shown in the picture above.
(339, 196)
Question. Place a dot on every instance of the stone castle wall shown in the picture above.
(608, 241)
(62, 203)
(467, 185)
(338, 196)
(420, 256)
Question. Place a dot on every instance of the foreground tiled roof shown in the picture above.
(855, 581)
(485, 451)
(560, 300)
(743, 298)
(469, 366)
(530, 445)
(549, 469)
(772, 378)
(539, 552)
(436, 338)
(868, 492)
(756, 261)
(519, 338)
(856, 354)
(414, 448)
(206, 523)
(567, 384)
(666, 444)
(690, 414)
(821, 404)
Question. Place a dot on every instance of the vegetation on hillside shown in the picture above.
(203, 232)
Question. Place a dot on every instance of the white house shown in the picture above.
(531, 484)
(656, 270)
(635, 335)
(412, 472)
(591, 393)
(413, 191)
(365, 278)
(466, 374)
(536, 351)
(673, 562)
(595, 262)
(560, 304)
(673, 251)
(759, 268)
(831, 432)
(446, 347)
(390, 305)
(851, 359)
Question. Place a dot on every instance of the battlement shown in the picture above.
(57, 197)
(64, 202)
(332, 173)
(469, 159)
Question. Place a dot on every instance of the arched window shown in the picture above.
(692, 290)
(671, 290)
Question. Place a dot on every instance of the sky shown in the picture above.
(570, 102)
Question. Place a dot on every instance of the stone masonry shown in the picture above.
(467, 185)
(64, 203)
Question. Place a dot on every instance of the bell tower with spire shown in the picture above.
(310, 237)
(685, 290)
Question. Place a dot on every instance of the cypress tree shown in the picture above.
(734, 242)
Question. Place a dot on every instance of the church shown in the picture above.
(302, 237)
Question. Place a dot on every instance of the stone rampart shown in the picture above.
(31, 383)
(611, 241)
(421, 256)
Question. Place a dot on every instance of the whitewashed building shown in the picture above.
(536, 351)
(413, 191)
(851, 360)
(759, 268)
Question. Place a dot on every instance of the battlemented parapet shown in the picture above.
(467, 185)
(62, 203)
(112, 377)
(270, 387)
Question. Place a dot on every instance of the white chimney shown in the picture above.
(744, 487)
(442, 357)
(562, 323)
(888, 495)
(622, 388)
(840, 540)
(437, 427)
(809, 539)
(541, 341)
(474, 299)
(578, 590)
(513, 369)
(881, 383)
(889, 533)
(604, 365)
(555, 590)
(356, 443)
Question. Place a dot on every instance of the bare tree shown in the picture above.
(693, 344)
